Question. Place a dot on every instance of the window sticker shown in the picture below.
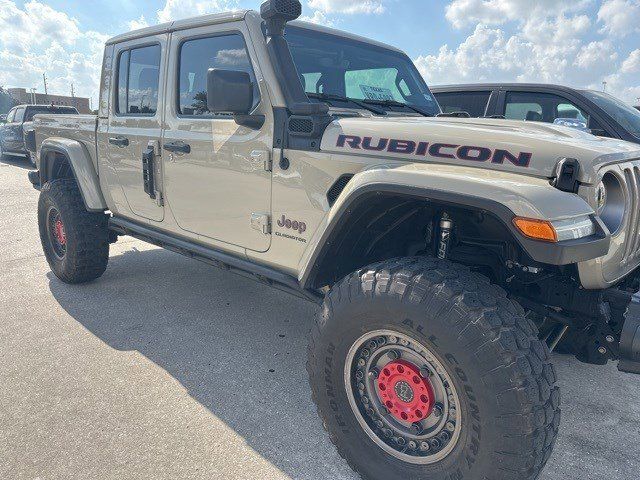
(376, 93)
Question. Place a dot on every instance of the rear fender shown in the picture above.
(53, 150)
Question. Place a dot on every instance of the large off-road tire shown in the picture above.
(422, 369)
(75, 241)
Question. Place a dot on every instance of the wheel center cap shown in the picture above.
(404, 391)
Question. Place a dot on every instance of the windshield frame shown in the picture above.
(338, 36)
(607, 102)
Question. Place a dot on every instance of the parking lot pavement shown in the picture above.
(168, 368)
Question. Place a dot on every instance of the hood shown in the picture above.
(528, 148)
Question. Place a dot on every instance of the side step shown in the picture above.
(630, 338)
(225, 261)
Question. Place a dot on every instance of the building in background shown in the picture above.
(24, 97)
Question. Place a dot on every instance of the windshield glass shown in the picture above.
(340, 67)
(33, 111)
(627, 116)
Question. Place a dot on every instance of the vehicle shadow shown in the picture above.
(237, 347)
(19, 162)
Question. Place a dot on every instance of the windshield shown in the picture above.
(627, 116)
(32, 112)
(336, 66)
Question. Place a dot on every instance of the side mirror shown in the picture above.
(229, 91)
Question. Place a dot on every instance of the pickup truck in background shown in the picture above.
(17, 137)
(447, 255)
(603, 114)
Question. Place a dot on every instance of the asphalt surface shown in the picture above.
(168, 368)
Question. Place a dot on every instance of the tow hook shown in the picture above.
(630, 338)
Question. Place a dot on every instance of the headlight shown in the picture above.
(610, 202)
(574, 228)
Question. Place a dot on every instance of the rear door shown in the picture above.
(217, 173)
(135, 123)
(548, 106)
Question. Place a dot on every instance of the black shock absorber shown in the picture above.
(446, 227)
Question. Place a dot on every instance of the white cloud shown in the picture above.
(632, 63)
(177, 9)
(348, 6)
(138, 24)
(318, 17)
(596, 54)
(497, 12)
(620, 17)
(37, 39)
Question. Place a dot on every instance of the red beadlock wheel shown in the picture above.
(403, 397)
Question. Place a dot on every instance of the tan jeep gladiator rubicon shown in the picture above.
(449, 255)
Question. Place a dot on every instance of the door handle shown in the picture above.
(119, 141)
(177, 147)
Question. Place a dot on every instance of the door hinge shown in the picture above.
(264, 157)
(261, 222)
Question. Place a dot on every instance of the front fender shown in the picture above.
(81, 165)
(502, 194)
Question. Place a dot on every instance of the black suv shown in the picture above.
(603, 114)
(12, 133)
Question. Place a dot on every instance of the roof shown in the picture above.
(44, 105)
(201, 21)
(239, 15)
(483, 86)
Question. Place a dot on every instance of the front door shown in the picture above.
(13, 141)
(217, 173)
(135, 124)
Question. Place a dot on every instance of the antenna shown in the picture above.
(46, 90)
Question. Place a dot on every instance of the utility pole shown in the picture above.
(46, 91)
(604, 86)
(73, 97)
(33, 96)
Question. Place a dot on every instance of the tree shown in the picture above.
(6, 101)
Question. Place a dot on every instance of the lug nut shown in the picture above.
(450, 426)
(424, 446)
(435, 444)
(379, 423)
(382, 341)
(404, 342)
(392, 339)
(366, 353)
(400, 441)
(413, 445)
(425, 373)
(602, 351)
(372, 345)
(610, 339)
(359, 375)
(387, 432)
(375, 373)
(437, 411)
(416, 428)
(362, 362)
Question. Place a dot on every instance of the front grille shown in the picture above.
(632, 241)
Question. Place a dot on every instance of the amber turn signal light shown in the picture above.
(536, 229)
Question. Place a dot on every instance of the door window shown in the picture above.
(138, 81)
(226, 52)
(474, 103)
(19, 115)
(541, 107)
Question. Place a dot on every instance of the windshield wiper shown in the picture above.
(393, 103)
(340, 98)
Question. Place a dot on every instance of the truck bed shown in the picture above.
(82, 128)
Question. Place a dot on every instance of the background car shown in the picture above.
(637, 108)
(18, 122)
(603, 114)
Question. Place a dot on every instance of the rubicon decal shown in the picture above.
(436, 150)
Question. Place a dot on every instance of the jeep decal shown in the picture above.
(437, 150)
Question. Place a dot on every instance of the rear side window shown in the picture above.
(227, 52)
(12, 114)
(138, 81)
(32, 112)
(474, 103)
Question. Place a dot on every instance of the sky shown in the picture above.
(580, 43)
